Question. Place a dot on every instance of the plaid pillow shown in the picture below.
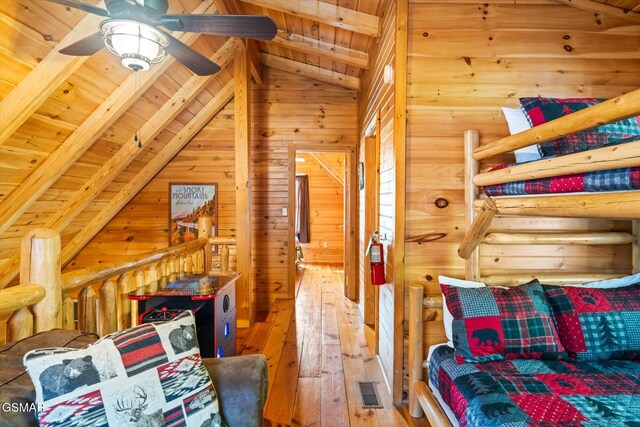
(597, 324)
(543, 110)
(149, 375)
(495, 323)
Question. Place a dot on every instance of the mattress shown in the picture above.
(544, 393)
(622, 179)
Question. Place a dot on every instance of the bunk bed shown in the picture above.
(481, 209)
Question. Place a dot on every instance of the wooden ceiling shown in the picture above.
(68, 159)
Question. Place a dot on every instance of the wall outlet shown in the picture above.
(284, 211)
(325, 244)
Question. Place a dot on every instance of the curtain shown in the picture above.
(302, 209)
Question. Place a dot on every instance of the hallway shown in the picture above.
(317, 352)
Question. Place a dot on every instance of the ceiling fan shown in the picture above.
(130, 32)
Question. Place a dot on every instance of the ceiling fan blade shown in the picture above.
(252, 26)
(190, 58)
(85, 47)
(82, 6)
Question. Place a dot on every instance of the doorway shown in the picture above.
(329, 235)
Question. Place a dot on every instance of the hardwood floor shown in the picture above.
(316, 351)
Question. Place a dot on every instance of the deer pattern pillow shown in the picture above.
(150, 375)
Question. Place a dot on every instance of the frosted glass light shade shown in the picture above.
(139, 45)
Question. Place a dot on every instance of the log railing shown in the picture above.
(44, 299)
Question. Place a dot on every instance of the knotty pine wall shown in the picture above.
(466, 60)
(377, 99)
(287, 109)
(326, 204)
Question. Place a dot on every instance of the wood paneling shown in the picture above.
(468, 59)
(326, 203)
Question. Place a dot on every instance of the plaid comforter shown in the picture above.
(608, 180)
(525, 392)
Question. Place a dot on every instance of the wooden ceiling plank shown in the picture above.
(326, 13)
(310, 71)
(86, 134)
(49, 74)
(593, 6)
(322, 48)
(324, 163)
(127, 153)
(155, 165)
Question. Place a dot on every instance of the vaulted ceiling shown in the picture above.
(68, 159)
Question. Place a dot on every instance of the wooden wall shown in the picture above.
(326, 204)
(377, 100)
(466, 60)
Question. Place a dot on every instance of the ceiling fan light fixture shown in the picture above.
(137, 44)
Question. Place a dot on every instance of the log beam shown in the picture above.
(242, 106)
(154, 166)
(310, 71)
(619, 108)
(326, 13)
(619, 205)
(324, 163)
(546, 278)
(17, 297)
(44, 78)
(471, 191)
(617, 156)
(597, 7)
(313, 46)
(595, 238)
(478, 229)
(430, 405)
(84, 136)
(127, 153)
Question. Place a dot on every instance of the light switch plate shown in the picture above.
(284, 211)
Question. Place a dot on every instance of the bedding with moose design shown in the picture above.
(622, 179)
(544, 393)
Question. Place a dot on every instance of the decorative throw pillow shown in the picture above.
(447, 318)
(617, 282)
(597, 323)
(495, 323)
(150, 375)
(542, 110)
(517, 122)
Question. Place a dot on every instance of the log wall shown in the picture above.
(466, 60)
(326, 203)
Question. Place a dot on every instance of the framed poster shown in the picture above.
(188, 202)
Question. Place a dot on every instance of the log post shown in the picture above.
(68, 318)
(635, 248)
(415, 347)
(205, 225)
(224, 258)
(108, 307)
(15, 318)
(125, 285)
(40, 264)
(471, 167)
(478, 229)
(20, 325)
(151, 277)
(87, 310)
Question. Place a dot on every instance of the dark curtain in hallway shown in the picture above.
(302, 208)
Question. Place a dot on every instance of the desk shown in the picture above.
(212, 298)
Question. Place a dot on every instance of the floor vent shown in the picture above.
(369, 395)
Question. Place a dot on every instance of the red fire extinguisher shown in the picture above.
(376, 259)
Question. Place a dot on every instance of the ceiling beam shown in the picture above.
(43, 79)
(318, 11)
(311, 71)
(328, 168)
(313, 46)
(605, 9)
(84, 136)
(150, 170)
(116, 164)
(228, 7)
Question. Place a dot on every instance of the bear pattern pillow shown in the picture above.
(495, 323)
(150, 375)
(597, 323)
(543, 110)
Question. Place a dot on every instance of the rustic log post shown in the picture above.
(188, 264)
(415, 347)
(471, 191)
(205, 225)
(40, 263)
(164, 268)
(87, 310)
(151, 277)
(20, 325)
(68, 318)
(16, 321)
(224, 258)
(478, 229)
(125, 285)
(108, 307)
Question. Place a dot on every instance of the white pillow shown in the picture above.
(517, 122)
(618, 282)
(446, 314)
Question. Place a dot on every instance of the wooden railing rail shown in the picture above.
(17, 297)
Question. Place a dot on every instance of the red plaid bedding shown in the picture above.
(609, 180)
(544, 393)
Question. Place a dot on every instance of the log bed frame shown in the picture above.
(479, 213)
